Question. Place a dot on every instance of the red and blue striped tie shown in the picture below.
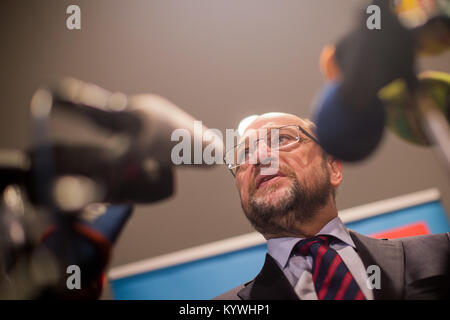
(331, 277)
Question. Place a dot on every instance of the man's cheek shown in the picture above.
(241, 189)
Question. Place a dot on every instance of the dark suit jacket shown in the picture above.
(411, 268)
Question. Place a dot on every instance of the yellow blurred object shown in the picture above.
(403, 117)
(413, 13)
(405, 5)
(429, 20)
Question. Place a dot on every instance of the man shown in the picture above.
(311, 255)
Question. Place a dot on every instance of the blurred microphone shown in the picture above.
(349, 116)
(88, 145)
(111, 147)
(347, 133)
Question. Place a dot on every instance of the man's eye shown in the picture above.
(284, 139)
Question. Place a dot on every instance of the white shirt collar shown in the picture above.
(280, 248)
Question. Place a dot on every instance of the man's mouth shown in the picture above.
(266, 179)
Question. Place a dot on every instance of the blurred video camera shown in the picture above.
(89, 146)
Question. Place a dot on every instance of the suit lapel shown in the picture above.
(389, 256)
(269, 284)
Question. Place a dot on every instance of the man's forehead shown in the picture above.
(273, 120)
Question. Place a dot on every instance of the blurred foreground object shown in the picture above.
(122, 143)
(64, 202)
(429, 21)
(351, 113)
(421, 118)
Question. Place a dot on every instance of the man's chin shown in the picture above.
(272, 197)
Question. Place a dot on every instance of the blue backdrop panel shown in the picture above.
(200, 279)
(431, 213)
(209, 277)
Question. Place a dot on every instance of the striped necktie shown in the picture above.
(331, 277)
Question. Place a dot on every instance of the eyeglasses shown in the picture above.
(276, 138)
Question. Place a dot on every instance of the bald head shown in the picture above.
(277, 119)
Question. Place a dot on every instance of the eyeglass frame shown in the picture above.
(306, 133)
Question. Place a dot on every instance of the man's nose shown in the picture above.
(262, 152)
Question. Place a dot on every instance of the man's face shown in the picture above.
(301, 186)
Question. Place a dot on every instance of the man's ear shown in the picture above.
(335, 169)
